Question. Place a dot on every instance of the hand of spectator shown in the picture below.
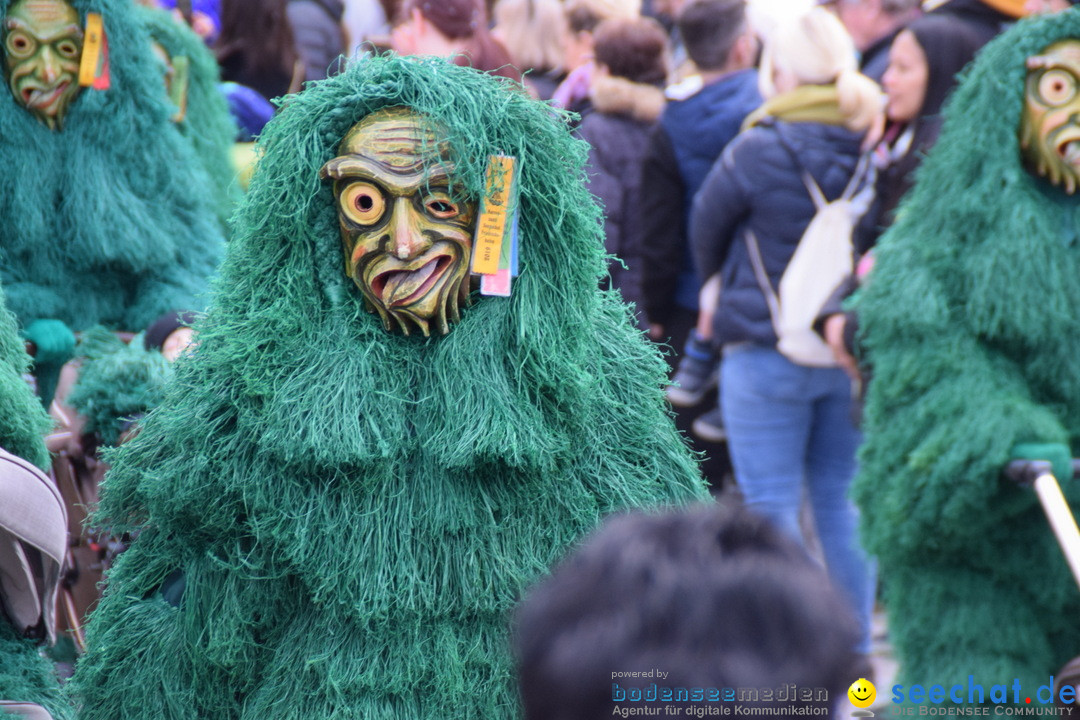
(834, 336)
(656, 332)
(1039, 7)
(201, 23)
(874, 133)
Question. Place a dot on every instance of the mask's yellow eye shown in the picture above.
(1057, 87)
(363, 203)
(68, 49)
(19, 44)
(441, 207)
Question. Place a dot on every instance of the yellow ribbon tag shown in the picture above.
(492, 224)
(94, 66)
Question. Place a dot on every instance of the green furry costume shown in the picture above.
(206, 124)
(110, 219)
(117, 382)
(971, 320)
(353, 511)
(25, 676)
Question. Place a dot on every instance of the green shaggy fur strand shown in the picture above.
(971, 324)
(23, 422)
(355, 512)
(27, 676)
(114, 387)
(105, 221)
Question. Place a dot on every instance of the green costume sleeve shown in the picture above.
(117, 386)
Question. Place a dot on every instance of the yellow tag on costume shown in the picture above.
(494, 220)
(94, 66)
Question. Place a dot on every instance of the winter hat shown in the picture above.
(166, 325)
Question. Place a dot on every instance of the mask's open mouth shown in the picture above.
(1070, 151)
(41, 98)
(396, 288)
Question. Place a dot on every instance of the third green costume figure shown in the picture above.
(971, 318)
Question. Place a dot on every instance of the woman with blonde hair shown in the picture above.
(788, 425)
(533, 32)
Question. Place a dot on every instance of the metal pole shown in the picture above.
(1061, 520)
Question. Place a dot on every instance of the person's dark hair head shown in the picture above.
(585, 15)
(581, 18)
(713, 596)
(948, 46)
(632, 49)
(159, 330)
(455, 19)
(260, 32)
(709, 29)
(466, 20)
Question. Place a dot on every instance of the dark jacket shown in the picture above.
(318, 35)
(692, 134)
(757, 185)
(617, 132)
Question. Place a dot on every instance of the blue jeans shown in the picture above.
(789, 427)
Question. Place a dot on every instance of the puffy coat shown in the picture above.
(692, 134)
(757, 185)
(618, 133)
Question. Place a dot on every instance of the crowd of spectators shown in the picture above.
(707, 135)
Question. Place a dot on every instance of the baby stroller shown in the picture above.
(33, 546)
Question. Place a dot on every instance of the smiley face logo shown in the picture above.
(862, 693)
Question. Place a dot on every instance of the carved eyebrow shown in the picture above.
(350, 166)
(1045, 62)
(66, 31)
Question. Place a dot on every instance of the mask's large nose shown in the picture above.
(407, 240)
(49, 69)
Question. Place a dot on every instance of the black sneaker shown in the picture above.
(696, 375)
(710, 426)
